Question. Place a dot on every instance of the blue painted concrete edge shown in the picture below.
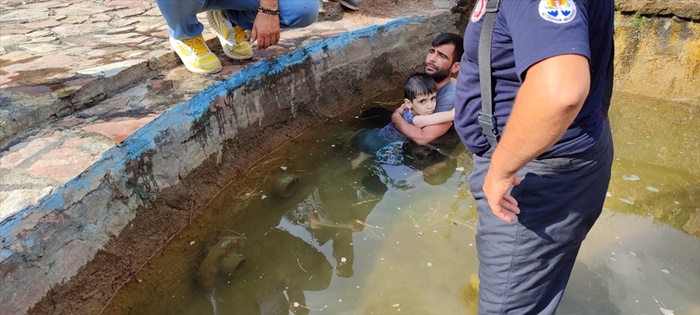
(182, 117)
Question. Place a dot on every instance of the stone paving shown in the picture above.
(77, 77)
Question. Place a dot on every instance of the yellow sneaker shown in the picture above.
(234, 39)
(195, 54)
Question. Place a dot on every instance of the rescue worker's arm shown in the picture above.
(549, 99)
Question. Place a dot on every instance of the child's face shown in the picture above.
(422, 105)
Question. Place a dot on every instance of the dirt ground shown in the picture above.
(397, 8)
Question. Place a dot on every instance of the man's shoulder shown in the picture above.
(446, 97)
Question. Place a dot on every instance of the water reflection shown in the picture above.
(278, 268)
(336, 209)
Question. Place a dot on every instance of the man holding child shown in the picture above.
(442, 61)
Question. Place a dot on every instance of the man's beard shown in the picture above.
(439, 75)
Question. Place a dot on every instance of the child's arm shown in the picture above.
(421, 121)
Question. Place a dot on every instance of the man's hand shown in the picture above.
(496, 189)
(418, 135)
(266, 30)
(398, 113)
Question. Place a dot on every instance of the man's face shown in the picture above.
(438, 63)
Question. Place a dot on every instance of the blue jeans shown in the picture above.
(524, 266)
(181, 15)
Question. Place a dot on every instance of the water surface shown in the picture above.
(399, 239)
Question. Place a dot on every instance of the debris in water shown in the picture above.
(396, 305)
(633, 254)
(608, 194)
(631, 177)
(296, 304)
(343, 259)
(192, 243)
(676, 202)
(665, 271)
(627, 201)
(139, 280)
(666, 311)
(652, 189)
(340, 300)
(430, 264)
(263, 197)
(470, 244)
(332, 145)
(284, 168)
(662, 307)
(459, 169)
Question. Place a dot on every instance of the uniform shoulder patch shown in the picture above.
(479, 10)
(558, 11)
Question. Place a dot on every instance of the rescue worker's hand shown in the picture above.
(497, 191)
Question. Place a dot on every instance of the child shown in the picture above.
(419, 104)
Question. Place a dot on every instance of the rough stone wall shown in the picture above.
(657, 47)
(658, 55)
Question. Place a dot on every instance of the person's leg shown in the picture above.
(186, 34)
(229, 19)
(181, 17)
(524, 266)
(293, 13)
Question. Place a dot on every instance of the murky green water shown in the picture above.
(395, 240)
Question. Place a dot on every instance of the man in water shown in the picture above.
(441, 62)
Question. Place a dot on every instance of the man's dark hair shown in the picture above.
(418, 84)
(454, 39)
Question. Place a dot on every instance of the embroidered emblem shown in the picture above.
(558, 11)
(479, 10)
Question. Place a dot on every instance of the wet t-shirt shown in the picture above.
(445, 98)
(526, 32)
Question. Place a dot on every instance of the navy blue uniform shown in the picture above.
(525, 265)
(521, 38)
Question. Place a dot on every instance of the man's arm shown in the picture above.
(266, 27)
(420, 136)
(547, 103)
(434, 118)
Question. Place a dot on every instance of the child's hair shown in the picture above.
(418, 84)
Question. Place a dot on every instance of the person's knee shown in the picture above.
(300, 16)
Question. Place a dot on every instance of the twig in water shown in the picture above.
(302, 268)
(234, 232)
(296, 304)
(371, 228)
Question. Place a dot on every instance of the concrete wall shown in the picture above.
(71, 253)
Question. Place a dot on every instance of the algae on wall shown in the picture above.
(658, 56)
